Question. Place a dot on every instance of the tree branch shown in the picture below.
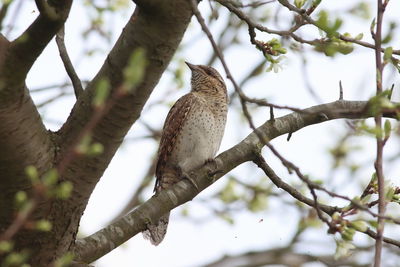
(281, 257)
(23, 51)
(24, 141)
(259, 160)
(105, 240)
(76, 82)
(306, 17)
(301, 12)
(3, 12)
(377, 36)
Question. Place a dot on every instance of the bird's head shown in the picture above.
(206, 78)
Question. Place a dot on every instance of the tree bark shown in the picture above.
(24, 140)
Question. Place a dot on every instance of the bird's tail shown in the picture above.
(156, 232)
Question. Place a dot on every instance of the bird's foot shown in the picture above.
(190, 178)
(213, 167)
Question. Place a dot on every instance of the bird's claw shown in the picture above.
(214, 169)
(191, 180)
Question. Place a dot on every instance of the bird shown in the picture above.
(191, 135)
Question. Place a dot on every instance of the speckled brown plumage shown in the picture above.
(191, 135)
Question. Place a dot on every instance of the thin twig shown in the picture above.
(19, 221)
(23, 215)
(238, 90)
(262, 164)
(288, 164)
(340, 90)
(306, 78)
(3, 12)
(14, 17)
(377, 36)
(253, 5)
(52, 99)
(76, 82)
(53, 86)
(306, 17)
(243, 98)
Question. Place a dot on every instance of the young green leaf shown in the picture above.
(299, 3)
(343, 249)
(64, 190)
(6, 246)
(50, 178)
(32, 174)
(101, 94)
(135, 70)
(359, 225)
(43, 225)
(387, 55)
(387, 128)
(64, 260)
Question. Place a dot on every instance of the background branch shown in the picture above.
(279, 256)
(105, 240)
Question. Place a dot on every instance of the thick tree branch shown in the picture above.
(23, 51)
(24, 139)
(105, 240)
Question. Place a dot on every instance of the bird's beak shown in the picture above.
(191, 66)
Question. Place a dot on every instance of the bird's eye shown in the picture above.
(209, 72)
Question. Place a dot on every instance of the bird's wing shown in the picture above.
(172, 127)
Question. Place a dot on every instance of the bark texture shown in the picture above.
(23, 138)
